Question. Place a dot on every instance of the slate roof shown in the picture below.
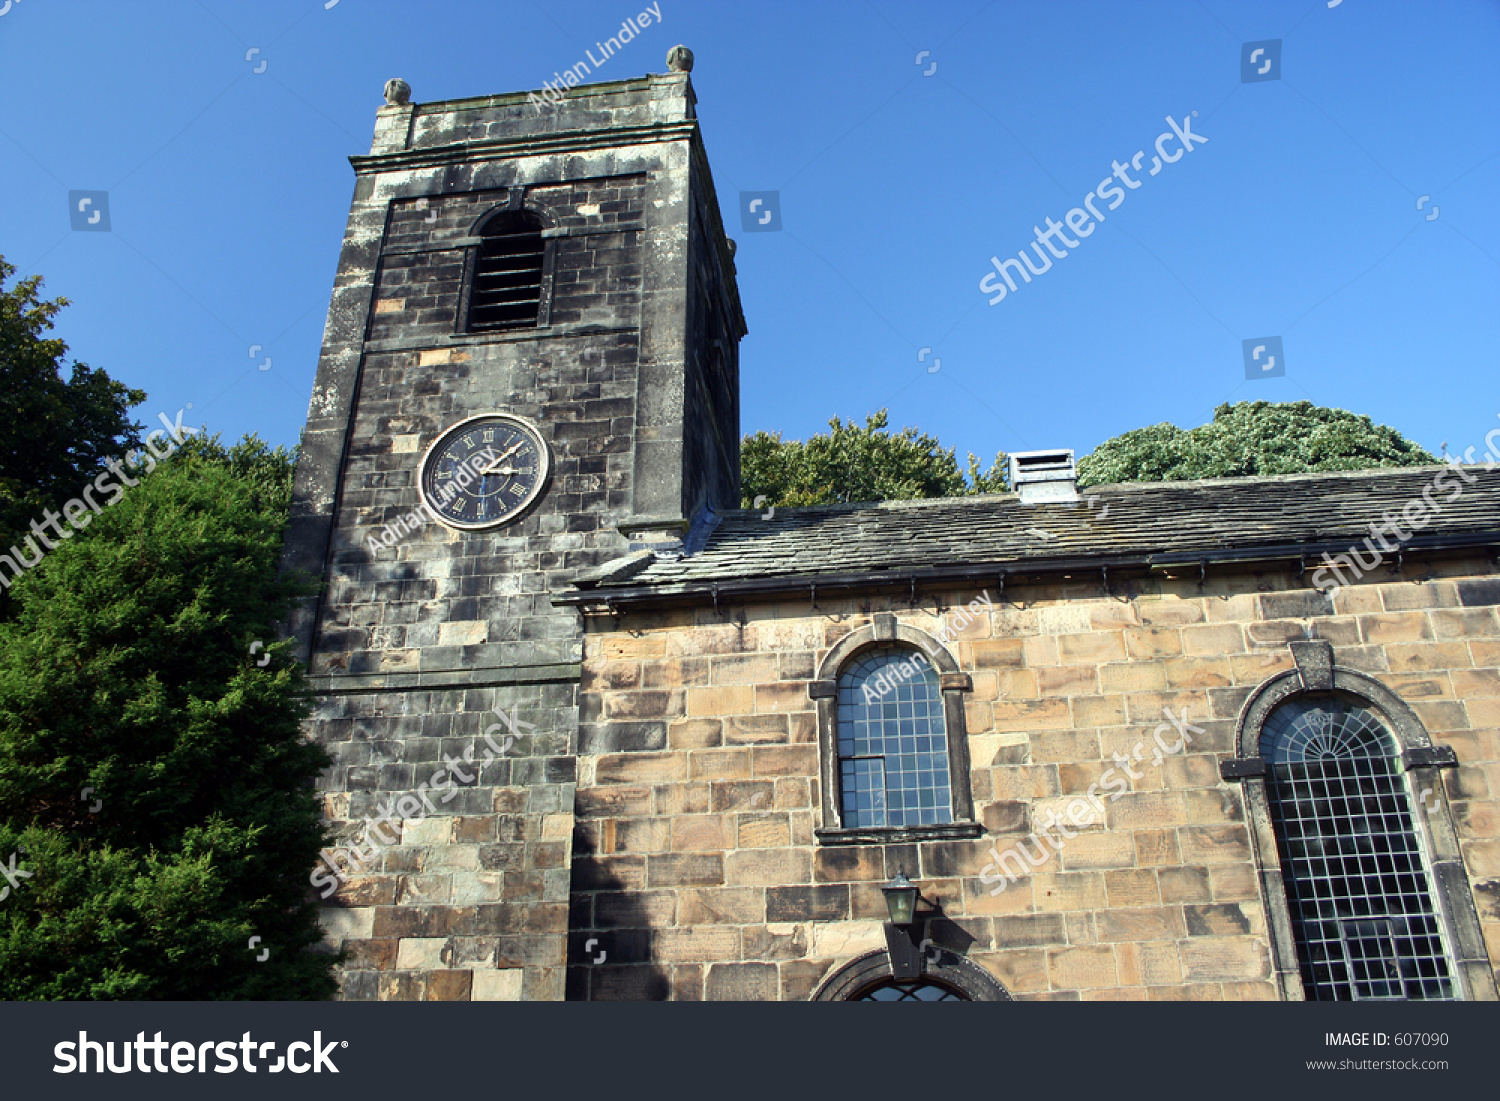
(1147, 523)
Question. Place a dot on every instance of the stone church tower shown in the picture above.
(530, 366)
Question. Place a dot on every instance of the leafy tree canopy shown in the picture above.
(849, 463)
(55, 435)
(1251, 438)
(154, 784)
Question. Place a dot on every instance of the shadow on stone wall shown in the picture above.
(609, 934)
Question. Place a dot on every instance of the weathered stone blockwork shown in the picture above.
(415, 645)
(695, 864)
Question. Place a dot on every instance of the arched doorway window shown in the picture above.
(923, 991)
(946, 977)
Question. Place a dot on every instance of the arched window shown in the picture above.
(508, 273)
(893, 750)
(920, 991)
(1357, 883)
(892, 741)
(946, 976)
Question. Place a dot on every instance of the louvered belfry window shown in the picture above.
(507, 291)
(1357, 884)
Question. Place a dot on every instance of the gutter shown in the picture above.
(700, 592)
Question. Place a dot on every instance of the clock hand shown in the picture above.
(501, 458)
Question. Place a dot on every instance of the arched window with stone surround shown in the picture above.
(893, 741)
(1358, 888)
(1362, 877)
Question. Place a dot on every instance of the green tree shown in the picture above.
(849, 463)
(55, 435)
(1248, 439)
(128, 684)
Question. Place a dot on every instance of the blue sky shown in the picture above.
(898, 179)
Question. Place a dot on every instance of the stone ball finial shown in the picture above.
(680, 59)
(397, 92)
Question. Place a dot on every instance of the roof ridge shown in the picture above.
(1245, 480)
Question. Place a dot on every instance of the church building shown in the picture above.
(597, 733)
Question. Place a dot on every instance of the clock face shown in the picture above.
(485, 471)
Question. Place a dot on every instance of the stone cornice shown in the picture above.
(535, 145)
(342, 683)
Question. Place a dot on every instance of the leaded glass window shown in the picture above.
(1357, 885)
(892, 991)
(893, 742)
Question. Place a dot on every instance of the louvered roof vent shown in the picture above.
(1041, 476)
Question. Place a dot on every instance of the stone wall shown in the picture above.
(695, 866)
(444, 627)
